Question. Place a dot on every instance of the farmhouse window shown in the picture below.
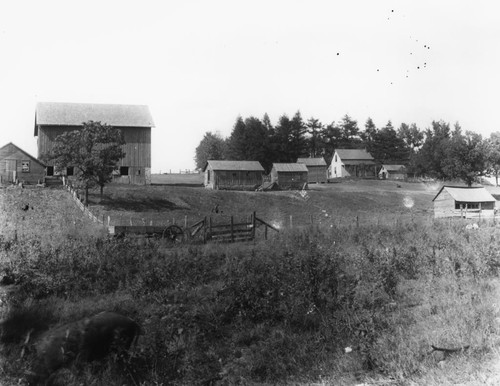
(123, 170)
(208, 175)
(70, 171)
(25, 166)
(335, 157)
(50, 170)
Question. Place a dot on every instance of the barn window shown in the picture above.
(50, 170)
(138, 172)
(70, 170)
(335, 157)
(235, 175)
(123, 170)
(208, 175)
(25, 166)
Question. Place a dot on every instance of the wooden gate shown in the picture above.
(232, 231)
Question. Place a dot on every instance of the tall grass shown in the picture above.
(281, 311)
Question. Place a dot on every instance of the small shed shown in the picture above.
(289, 175)
(461, 201)
(393, 172)
(233, 175)
(16, 165)
(316, 169)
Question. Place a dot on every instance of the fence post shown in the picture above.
(357, 221)
(254, 223)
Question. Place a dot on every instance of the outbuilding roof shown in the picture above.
(74, 114)
(10, 149)
(312, 161)
(353, 154)
(290, 167)
(466, 194)
(253, 166)
(394, 168)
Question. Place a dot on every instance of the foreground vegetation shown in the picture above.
(289, 311)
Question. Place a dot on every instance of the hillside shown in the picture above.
(369, 201)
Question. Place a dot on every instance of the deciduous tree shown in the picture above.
(211, 147)
(94, 151)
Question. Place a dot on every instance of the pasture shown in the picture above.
(325, 302)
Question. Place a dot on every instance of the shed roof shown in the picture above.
(394, 168)
(234, 165)
(312, 161)
(290, 167)
(466, 194)
(9, 149)
(353, 154)
(74, 114)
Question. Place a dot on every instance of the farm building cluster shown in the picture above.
(135, 122)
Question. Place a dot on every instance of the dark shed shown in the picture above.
(289, 175)
(233, 175)
(316, 169)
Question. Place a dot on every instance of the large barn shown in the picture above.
(316, 168)
(16, 165)
(135, 121)
(289, 175)
(457, 201)
(233, 175)
(352, 163)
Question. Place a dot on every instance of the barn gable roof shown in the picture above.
(253, 166)
(10, 149)
(312, 161)
(289, 167)
(74, 114)
(354, 154)
(466, 194)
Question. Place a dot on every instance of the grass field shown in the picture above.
(328, 303)
(372, 202)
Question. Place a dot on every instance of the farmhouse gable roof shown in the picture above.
(74, 114)
(289, 167)
(312, 161)
(466, 194)
(354, 154)
(234, 165)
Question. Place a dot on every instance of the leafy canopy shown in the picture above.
(93, 151)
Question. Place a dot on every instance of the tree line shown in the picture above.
(439, 151)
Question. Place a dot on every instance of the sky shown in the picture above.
(199, 65)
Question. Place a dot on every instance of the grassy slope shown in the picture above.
(370, 200)
(53, 208)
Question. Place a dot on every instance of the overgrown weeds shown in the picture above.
(268, 312)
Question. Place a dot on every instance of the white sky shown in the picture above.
(200, 64)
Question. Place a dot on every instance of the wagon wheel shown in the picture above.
(173, 233)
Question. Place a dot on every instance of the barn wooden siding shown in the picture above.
(137, 147)
(289, 176)
(11, 166)
(236, 180)
(316, 169)
(137, 150)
